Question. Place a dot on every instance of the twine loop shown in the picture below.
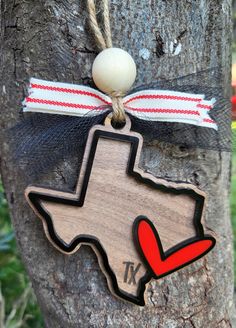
(104, 41)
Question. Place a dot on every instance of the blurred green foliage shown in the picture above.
(18, 306)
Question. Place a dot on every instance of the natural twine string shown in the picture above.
(104, 41)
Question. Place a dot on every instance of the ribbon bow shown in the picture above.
(151, 105)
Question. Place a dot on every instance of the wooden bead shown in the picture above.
(114, 71)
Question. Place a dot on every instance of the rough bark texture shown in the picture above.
(234, 21)
(51, 40)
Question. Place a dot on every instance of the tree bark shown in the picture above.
(51, 40)
(234, 21)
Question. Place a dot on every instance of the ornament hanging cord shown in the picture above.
(104, 42)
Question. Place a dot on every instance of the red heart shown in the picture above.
(175, 258)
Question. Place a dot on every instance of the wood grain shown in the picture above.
(114, 199)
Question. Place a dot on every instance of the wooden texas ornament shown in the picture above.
(139, 226)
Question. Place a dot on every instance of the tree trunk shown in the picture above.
(51, 40)
(234, 21)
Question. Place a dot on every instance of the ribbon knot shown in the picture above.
(150, 105)
(118, 107)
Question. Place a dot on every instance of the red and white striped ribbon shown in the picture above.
(150, 105)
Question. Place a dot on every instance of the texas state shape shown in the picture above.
(111, 193)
